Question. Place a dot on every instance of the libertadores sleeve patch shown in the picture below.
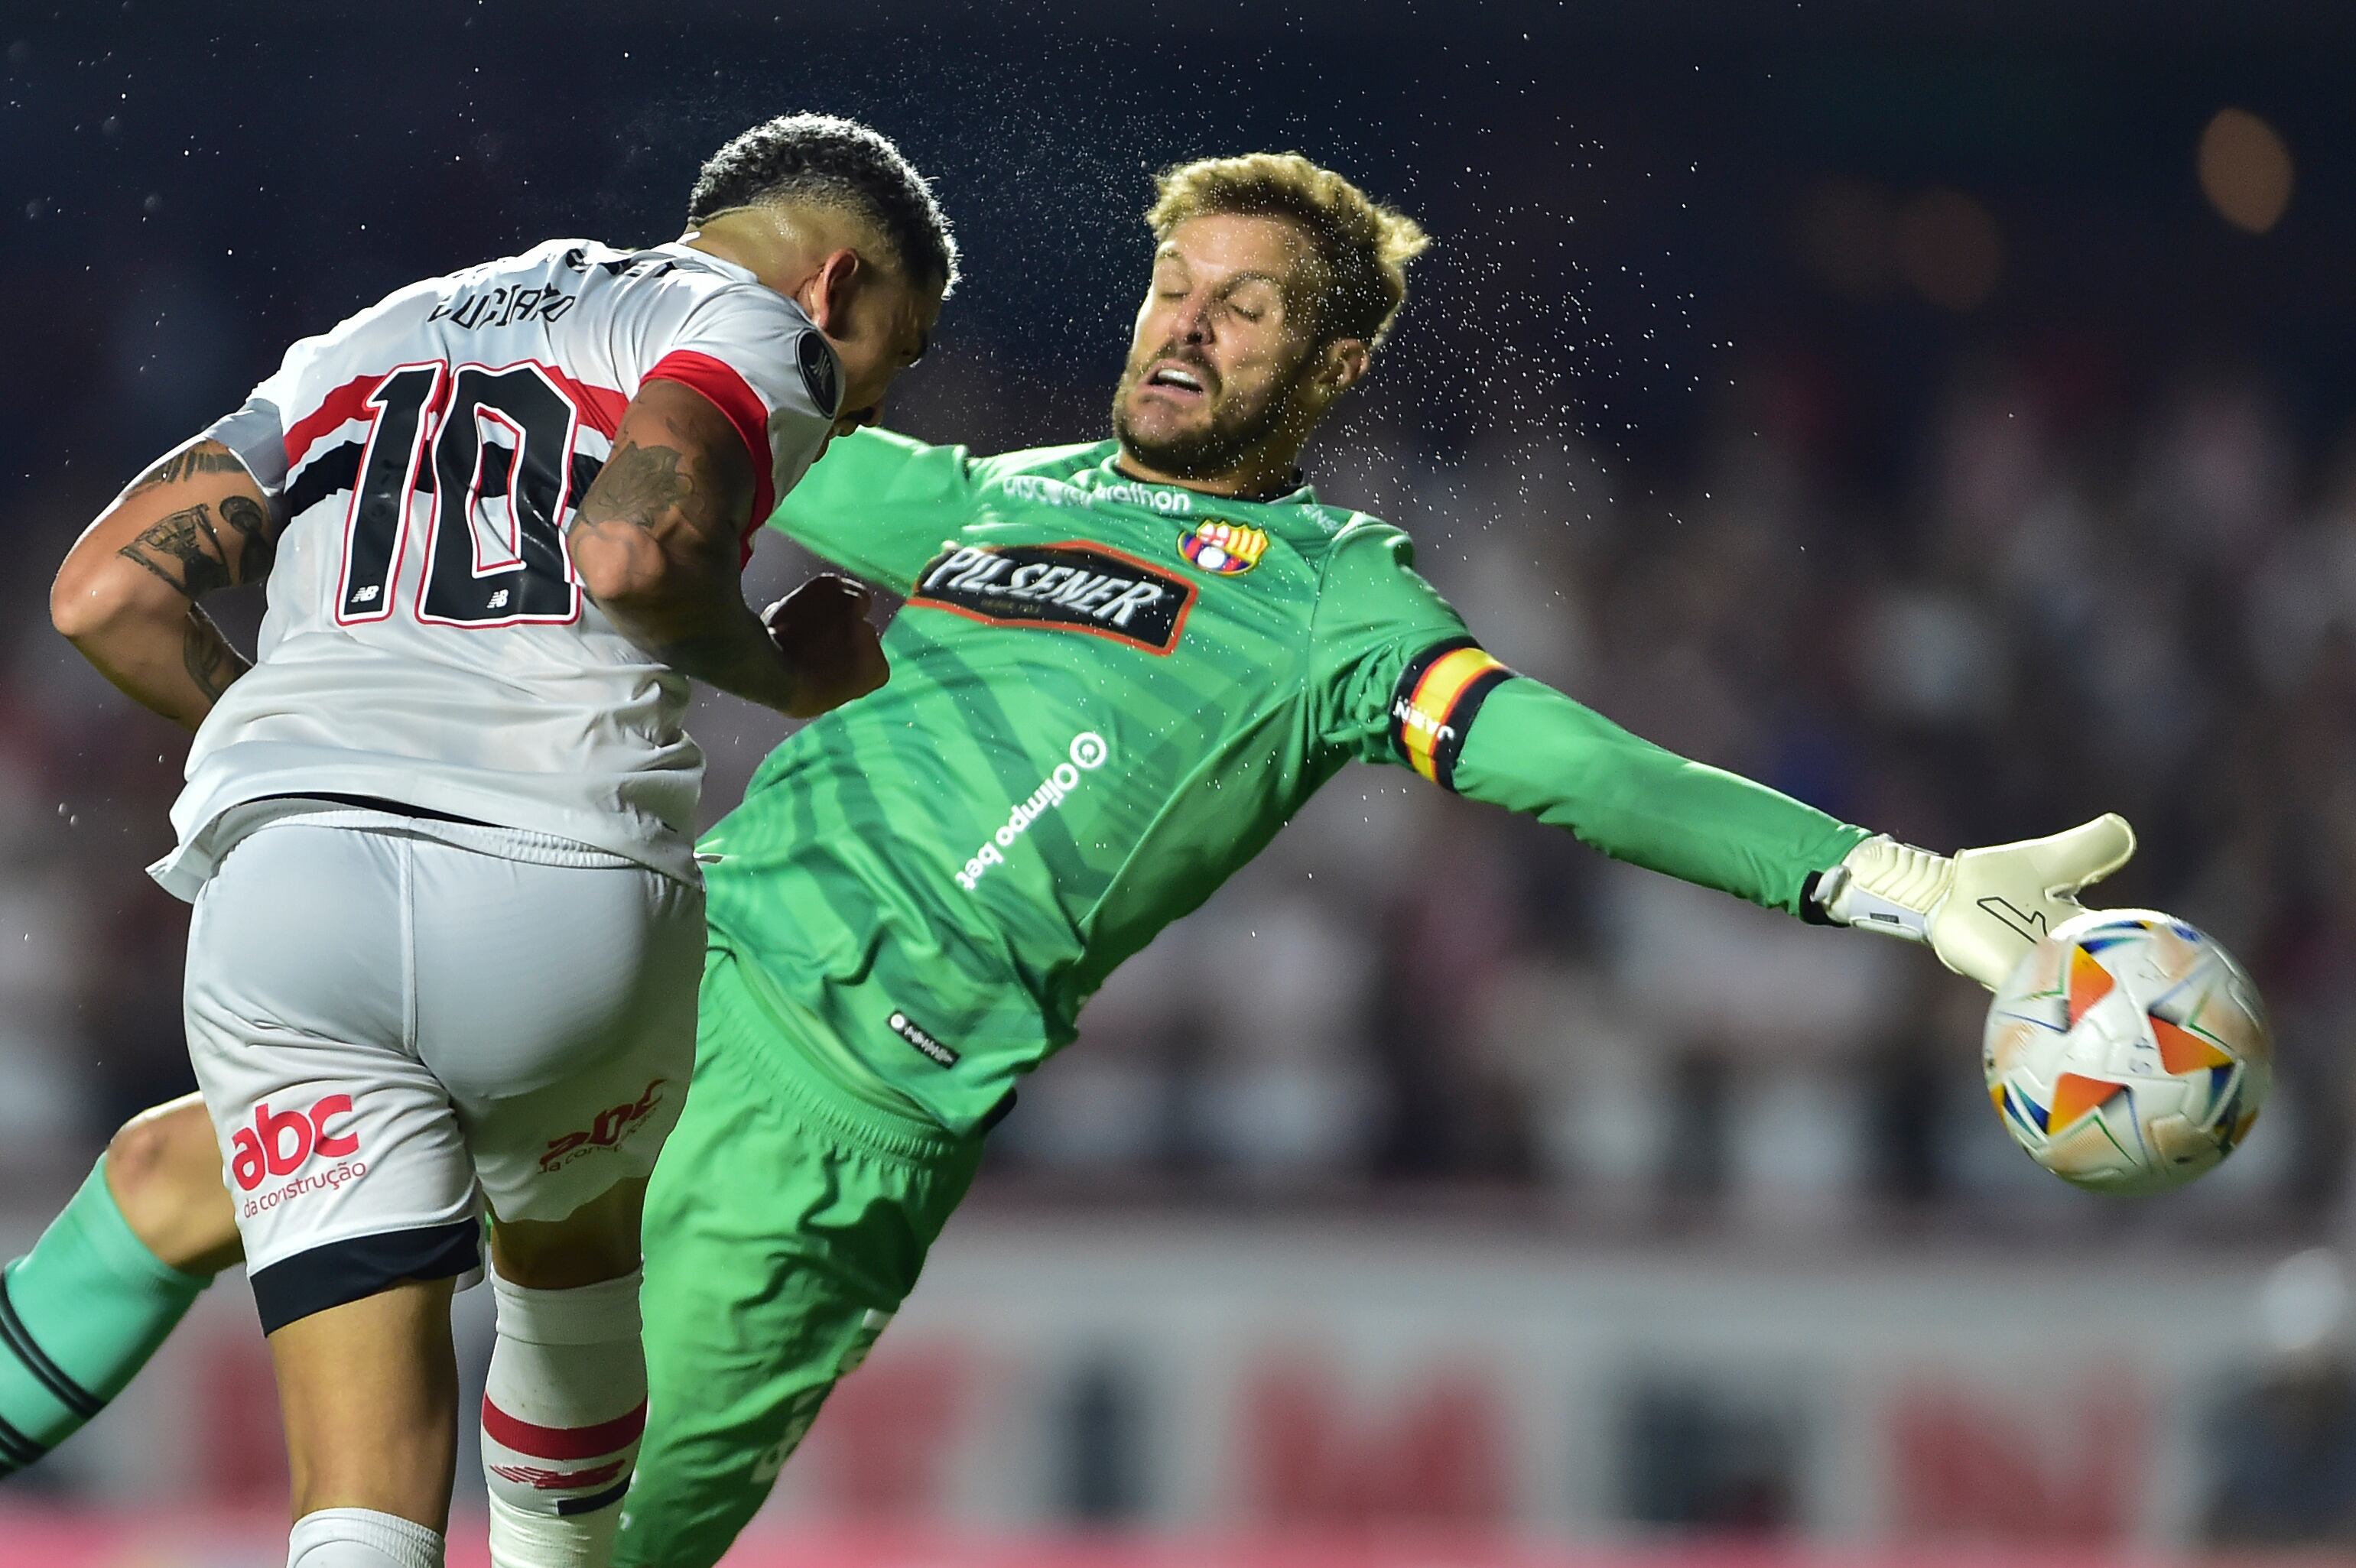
(1432, 709)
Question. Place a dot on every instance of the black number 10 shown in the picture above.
(494, 542)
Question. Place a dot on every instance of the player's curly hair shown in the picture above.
(1364, 244)
(824, 158)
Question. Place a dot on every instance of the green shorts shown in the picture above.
(786, 1221)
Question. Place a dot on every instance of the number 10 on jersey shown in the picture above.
(492, 464)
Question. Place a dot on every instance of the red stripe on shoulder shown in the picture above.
(345, 403)
(601, 407)
(563, 1442)
(734, 397)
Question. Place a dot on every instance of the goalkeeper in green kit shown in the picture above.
(1121, 668)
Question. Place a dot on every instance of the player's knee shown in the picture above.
(163, 1169)
(530, 1256)
(597, 1241)
(141, 1157)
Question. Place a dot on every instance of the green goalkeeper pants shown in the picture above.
(786, 1221)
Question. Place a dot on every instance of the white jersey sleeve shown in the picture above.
(427, 641)
(754, 354)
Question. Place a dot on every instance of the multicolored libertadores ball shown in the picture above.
(2127, 1052)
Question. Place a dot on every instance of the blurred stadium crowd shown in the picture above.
(1848, 488)
(2080, 595)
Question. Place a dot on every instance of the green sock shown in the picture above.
(80, 1314)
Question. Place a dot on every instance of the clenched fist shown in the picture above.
(837, 655)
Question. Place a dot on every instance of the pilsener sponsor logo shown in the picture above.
(1073, 586)
(1088, 754)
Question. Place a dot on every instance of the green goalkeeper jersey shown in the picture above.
(1107, 695)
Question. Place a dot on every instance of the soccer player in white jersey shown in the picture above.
(448, 925)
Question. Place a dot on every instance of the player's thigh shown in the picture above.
(778, 1243)
(344, 1159)
(749, 1325)
(712, 1454)
(557, 1004)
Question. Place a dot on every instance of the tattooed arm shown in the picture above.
(659, 544)
(126, 596)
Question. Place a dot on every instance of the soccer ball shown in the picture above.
(2127, 1052)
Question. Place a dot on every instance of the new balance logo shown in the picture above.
(543, 1481)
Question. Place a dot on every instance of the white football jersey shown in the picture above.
(427, 641)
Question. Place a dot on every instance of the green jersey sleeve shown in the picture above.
(1373, 617)
(1401, 680)
(1536, 750)
(878, 505)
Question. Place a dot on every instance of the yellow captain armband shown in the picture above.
(1433, 705)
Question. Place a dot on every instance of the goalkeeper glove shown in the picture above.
(1981, 910)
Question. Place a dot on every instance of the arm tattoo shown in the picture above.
(211, 663)
(639, 483)
(183, 536)
(258, 545)
(205, 457)
(691, 616)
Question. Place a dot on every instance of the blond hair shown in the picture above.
(1363, 245)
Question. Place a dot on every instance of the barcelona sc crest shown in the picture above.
(1228, 548)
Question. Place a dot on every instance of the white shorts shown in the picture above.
(394, 1017)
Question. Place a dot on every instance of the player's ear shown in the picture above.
(824, 298)
(1341, 364)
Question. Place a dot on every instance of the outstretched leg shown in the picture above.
(760, 1297)
(111, 1278)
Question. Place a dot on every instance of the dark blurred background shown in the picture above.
(1945, 412)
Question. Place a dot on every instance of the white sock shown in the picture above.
(562, 1412)
(361, 1538)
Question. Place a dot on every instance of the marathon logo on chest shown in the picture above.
(1071, 586)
